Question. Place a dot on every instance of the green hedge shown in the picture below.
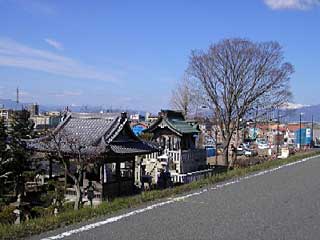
(43, 224)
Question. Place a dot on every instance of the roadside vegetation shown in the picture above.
(67, 216)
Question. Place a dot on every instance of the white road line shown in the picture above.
(172, 200)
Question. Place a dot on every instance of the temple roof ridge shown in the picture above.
(176, 121)
(95, 131)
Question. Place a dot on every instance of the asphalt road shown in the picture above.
(283, 204)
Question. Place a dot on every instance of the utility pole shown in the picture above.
(300, 132)
(216, 136)
(278, 129)
(255, 123)
(311, 143)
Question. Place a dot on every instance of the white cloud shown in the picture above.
(292, 4)
(293, 106)
(67, 94)
(14, 54)
(53, 43)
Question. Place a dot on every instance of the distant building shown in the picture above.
(135, 117)
(303, 136)
(34, 110)
(53, 113)
(42, 122)
(6, 114)
(150, 118)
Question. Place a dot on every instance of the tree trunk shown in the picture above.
(65, 178)
(234, 154)
(1, 187)
(19, 185)
(226, 155)
(78, 201)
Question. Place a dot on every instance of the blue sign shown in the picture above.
(137, 129)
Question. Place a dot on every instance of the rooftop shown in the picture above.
(94, 133)
(176, 121)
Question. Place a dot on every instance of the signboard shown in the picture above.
(308, 132)
(137, 129)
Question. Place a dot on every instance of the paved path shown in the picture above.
(282, 204)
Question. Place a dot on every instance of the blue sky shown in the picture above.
(130, 54)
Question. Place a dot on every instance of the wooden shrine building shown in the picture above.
(107, 140)
(178, 139)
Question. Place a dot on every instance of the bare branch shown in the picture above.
(237, 77)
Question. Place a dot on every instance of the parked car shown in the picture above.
(243, 146)
(262, 144)
(244, 149)
(240, 149)
(240, 152)
(250, 152)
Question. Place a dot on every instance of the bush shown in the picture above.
(41, 212)
(67, 206)
(54, 190)
(6, 215)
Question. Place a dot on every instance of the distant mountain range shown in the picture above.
(307, 113)
(291, 113)
(10, 104)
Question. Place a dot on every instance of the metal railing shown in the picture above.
(186, 155)
(193, 176)
(71, 193)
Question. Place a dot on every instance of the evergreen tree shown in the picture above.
(3, 139)
(4, 156)
(3, 150)
(20, 129)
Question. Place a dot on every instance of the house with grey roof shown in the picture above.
(178, 139)
(104, 138)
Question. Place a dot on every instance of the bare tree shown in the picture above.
(182, 96)
(71, 150)
(238, 76)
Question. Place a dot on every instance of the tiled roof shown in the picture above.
(183, 126)
(133, 147)
(95, 133)
(90, 128)
(176, 121)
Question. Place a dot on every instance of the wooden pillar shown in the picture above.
(118, 176)
(101, 170)
(105, 176)
(50, 167)
(103, 173)
(133, 172)
(84, 177)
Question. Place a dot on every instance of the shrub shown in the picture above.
(54, 190)
(41, 212)
(67, 206)
(6, 215)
